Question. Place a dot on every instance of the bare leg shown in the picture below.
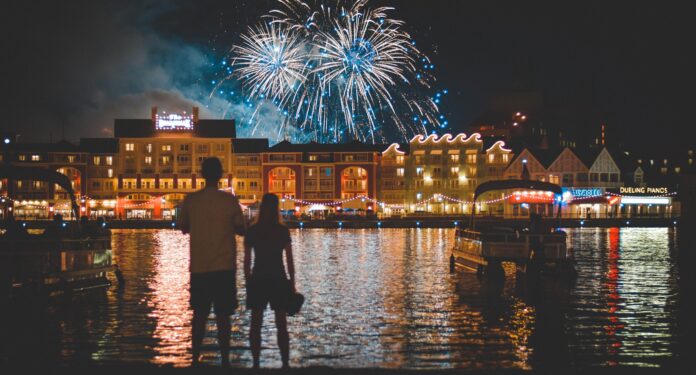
(283, 337)
(223, 327)
(255, 335)
(197, 332)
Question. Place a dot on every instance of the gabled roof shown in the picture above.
(588, 155)
(354, 146)
(249, 145)
(624, 162)
(60, 146)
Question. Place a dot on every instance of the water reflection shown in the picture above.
(383, 298)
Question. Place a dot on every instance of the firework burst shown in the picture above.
(338, 72)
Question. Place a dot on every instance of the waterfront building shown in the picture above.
(442, 172)
(392, 181)
(247, 172)
(38, 199)
(102, 170)
(307, 176)
(159, 159)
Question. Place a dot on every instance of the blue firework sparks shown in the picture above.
(336, 72)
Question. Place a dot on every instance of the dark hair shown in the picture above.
(211, 169)
(268, 212)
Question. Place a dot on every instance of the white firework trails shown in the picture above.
(341, 72)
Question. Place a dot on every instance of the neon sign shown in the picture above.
(173, 122)
(643, 190)
(586, 192)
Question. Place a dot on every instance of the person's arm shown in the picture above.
(183, 220)
(290, 261)
(238, 223)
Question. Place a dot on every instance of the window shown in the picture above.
(109, 160)
(202, 148)
(309, 172)
(400, 172)
(437, 172)
(400, 159)
(130, 146)
(454, 171)
(454, 158)
(22, 157)
(166, 160)
(35, 158)
(71, 158)
(567, 179)
(554, 179)
(506, 158)
(240, 185)
(348, 157)
(148, 148)
(166, 147)
(604, 177)
(183, 147)
(253, 185)
(614, 177)
(96, 185)
(220, 147)
(148, 160)
(96, 160)
(312, 158)
(419, 172)
(471, 158)
(491, 158)
(110, 173)
(327, 172)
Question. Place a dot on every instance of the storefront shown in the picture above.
(588, 203)
(523, 203)
(644, 201)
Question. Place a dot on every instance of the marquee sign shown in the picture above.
(642, 190)
(584, 192)
(174, 122)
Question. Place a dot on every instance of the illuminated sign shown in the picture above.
(645, 200)
(174, 122)
(584, 192)
(643, 190)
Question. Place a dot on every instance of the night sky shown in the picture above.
(71, 67)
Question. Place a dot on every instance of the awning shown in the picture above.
(601, 199)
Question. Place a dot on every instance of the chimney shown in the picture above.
(153, 114)
(195, 115)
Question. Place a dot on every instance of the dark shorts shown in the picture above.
(262, 291)
(214, 288)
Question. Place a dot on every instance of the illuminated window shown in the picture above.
(506, 158)
(96, 160)
(419, 172)
(110, 173)
(130, 146)
(454, 171)
(491, 158)
(165, 160)
(71, 158)
(454, 158)
(22, 157)
(400, 172)
(35, 158)
(419, 196)
(166, 147)
(312, 158)
(471, 158)
(400, 159)
(148, 148)
(109, 160)
(148, 160)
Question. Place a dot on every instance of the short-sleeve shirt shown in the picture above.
(268, 244)
(211, 217)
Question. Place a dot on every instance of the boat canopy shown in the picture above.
(12, 172)
(516, 184)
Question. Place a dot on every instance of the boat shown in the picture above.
(486, 247)
(69, 258)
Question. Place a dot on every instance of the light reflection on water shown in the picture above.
(384, 298)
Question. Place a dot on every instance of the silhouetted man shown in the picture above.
(212, 217)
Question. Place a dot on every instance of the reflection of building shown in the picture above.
(305, 176)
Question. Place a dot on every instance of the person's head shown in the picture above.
(268, 212)
(211, 169)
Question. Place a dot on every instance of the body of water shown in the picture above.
(378, 298)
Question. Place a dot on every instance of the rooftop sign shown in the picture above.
(173, 122)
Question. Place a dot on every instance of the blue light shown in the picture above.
(24, 224)
(104, 225)
(173, 224)
(582, 222)
(340, 223)
(379, 223)
(446, 122)
(212, 82)
(432, 66)
(456, 223)
(445, 91)
(675, 222)
(65, 224)
(628, 222)
(224, 62)
(301, 224)
(415, 118)
(437, 101)
(7, 141)
(442, 117)
(418, 76)
(417, 223)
